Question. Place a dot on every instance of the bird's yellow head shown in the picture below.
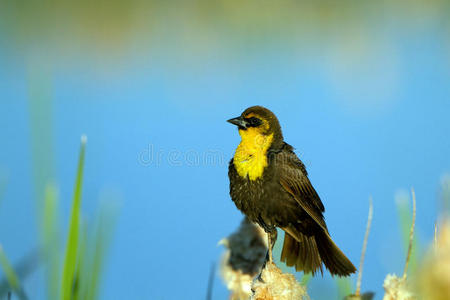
(259, 130)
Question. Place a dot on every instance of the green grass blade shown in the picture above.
(23, 268)
(2, 186)
(83, 264)
(70, 261)
(40, 108)
(100, 241)
(344, 287)
(51, 241)
(10, 274)
(306, 278)
(445, 193)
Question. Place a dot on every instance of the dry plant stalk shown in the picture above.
(363, 252)
(357, 295)
(397, 288)
(435, 235)
(411, 234)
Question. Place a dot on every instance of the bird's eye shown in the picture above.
(253, 122)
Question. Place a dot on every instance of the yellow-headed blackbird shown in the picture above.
(270, 185)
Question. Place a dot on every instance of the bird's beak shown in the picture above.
(239, 121)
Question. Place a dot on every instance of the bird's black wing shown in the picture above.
(294, 179)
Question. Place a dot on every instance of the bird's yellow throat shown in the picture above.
(251, 154)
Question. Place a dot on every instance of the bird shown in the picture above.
(269, 184)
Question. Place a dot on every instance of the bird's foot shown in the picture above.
(259, 277)
(269, 258)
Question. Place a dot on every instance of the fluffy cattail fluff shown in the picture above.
(434, 275)
(245, 255)
(275, 285)
(396, 288)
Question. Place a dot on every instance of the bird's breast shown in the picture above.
(250, 158)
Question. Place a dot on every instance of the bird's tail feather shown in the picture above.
(307, 253)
